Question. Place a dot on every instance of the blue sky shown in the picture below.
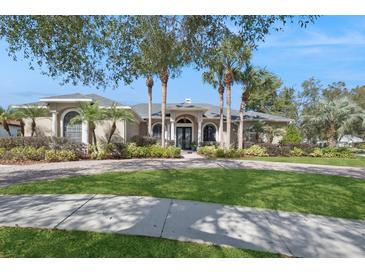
(333, 49)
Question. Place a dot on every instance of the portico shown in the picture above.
(185, 126)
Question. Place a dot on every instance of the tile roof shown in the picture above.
(103, 101)
(211, 112)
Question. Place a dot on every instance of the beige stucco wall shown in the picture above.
(103, 128)
(43, 126)
(132, 130)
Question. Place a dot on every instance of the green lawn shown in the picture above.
(27, 242)
(289, 191)
(354, 162)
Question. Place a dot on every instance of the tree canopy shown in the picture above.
(103, 51)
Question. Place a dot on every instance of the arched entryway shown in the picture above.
(184, 133)
(72, 131)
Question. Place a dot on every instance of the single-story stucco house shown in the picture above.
(186, 122)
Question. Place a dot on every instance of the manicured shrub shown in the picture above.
(209, 151)
(153, 151)
(332, 152)
(276, 150)
(231, 153)
(255, 150)
(297, 152)
(208, 143)
(317, 152)
(292, 136)
(142, 141)
(49, 143)
(2, 152)
(60, 155)
(220, 153)
(172, 152)
(27, 153)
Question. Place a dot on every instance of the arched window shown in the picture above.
(209, 133)
(184, 121)
(156, 131)
(71, 131)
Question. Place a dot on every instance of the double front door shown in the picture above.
(184, 137)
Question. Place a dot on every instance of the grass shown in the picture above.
(27, 242)
(353, 162)
(289, 191)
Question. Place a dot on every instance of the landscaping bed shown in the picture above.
(25, 150)
(296, 153)
(288, 191)
(41, 243)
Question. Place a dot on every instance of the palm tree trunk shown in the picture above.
(93, 135)
(332, 136)
(228, 79)
(149, 83)
(221, 116)
(112, 130)
(240, 128)
(94, 138)
(6, 127)
(33, 126)
(164, 78)
(22, 125)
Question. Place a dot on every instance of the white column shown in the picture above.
(54, 123)
(200, 119)
(172, 129)
(85, 133)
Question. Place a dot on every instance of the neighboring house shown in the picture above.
(185, 123)
(14, 129)
(350, 141)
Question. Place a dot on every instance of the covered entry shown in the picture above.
(184, 133)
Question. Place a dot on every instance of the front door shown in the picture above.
(184, 137)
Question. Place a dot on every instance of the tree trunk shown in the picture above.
(33, 126)
(221, 116)
(164, 76)
(6, 127)
(228, 80)
(149, 83)
(22, 125)
(332, 140)
(240, 128)
(112, 130)
(92, 129)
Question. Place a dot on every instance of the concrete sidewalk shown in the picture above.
(13, 174)
(267, 230)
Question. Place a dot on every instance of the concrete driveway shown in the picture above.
(12, 174)
(292, 234)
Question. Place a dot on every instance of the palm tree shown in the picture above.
(256, 82)
(114, 113)
(19, 116)
(234, 55)
(89, 113)
(258, 127)
(215, 77)
(162, 45)
(4, 118)
(334, 118)
(149, 84)
(30, 112)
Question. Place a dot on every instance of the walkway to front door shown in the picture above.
(184, 137)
